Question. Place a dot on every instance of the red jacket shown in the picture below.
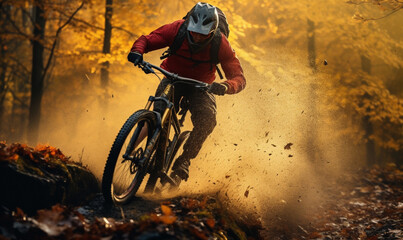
(164, 37)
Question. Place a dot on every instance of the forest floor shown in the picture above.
(364, 205)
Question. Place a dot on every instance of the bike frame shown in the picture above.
(169, 119)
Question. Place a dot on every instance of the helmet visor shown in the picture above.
(197, 26)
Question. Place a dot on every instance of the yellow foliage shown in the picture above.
(367, 98)
(257, 28)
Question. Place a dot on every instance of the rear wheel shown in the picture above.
(154, 181)
(127, 164)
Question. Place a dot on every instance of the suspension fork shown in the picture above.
(144, 129)
(148, 150)
(166, 122)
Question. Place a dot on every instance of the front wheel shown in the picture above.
(127, 162)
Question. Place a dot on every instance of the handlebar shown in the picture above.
(148, 68)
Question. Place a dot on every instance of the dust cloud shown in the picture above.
(86, 130)
(244, 161)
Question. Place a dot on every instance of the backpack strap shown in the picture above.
(178, 41)
(215, 48)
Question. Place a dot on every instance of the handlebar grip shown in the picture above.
(148, 68)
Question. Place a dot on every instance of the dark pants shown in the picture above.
(202, 107)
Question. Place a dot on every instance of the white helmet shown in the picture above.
(203, 19)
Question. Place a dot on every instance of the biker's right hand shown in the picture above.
(218, 88)
(135, 58)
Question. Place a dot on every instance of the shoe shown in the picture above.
(177, 180)
(181, 168)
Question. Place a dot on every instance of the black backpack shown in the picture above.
(215, 42)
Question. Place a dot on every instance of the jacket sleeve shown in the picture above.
(159, 38)
(236, 81)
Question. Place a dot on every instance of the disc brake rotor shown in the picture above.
(138, 155)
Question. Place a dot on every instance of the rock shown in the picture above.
(33, 179)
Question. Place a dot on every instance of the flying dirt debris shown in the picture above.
(288, 146)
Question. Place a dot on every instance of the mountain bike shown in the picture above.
(148, 143)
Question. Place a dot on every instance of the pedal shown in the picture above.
(175, 181)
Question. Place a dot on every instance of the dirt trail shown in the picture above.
(368, 205)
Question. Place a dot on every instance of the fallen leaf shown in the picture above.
(154, 218)
(315, 235)
(366, 189)
(19, 213)
(14, 157)
(167, 219)
(166, 210)
(203, 202)
(210, 222)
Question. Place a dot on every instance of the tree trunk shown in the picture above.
(314, 150)
(3, 92)
(107, 42)
(370, 145)
(366, 64)
(3, 68)
(37, 72)
(368, 128)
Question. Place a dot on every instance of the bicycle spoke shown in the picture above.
(125, 176)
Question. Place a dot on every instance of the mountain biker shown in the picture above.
(192, 60)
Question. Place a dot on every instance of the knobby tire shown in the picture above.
(107, 178)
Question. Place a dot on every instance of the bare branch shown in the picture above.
(8, 33)
(15, 25)
(22, 66)
(393, 6)
(357, 3)
(27, 13)
(80, 20)
(387, 15)
(124, 30)
(98, 27)
(23, 104)
(88, 24)
(57, 37)
(7, 88)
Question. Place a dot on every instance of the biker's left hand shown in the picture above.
(218, 88)
(135, 58)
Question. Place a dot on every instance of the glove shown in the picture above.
(135, 58)
(218, 88)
